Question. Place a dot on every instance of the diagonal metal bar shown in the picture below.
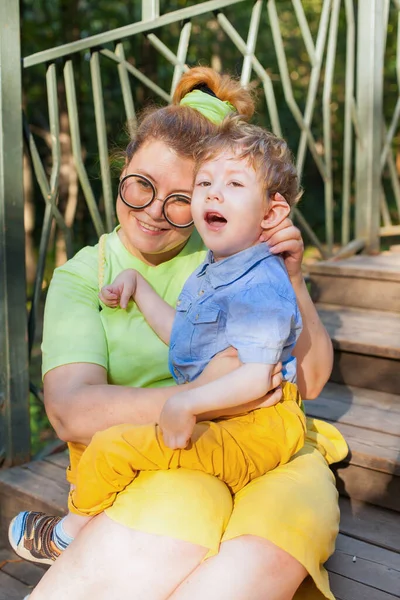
(118, 34)
(385, 213)
(126, 88)
(251, 42)
(288, 92)
(183, 46)
(389, 135)
(76, 147)
(49, 196)
(394, 179)
(313, 85)
(51, 199)
(305, 226)
(136, 73)
(240, 44)
(305, 31)
(348, 138)
(163, 49)
(326, 112)
(356, 122)
(101, 130)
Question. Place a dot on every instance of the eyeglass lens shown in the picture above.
(138, 193)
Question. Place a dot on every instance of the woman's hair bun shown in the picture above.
(224, 87)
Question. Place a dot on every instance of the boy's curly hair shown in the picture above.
(267, 153)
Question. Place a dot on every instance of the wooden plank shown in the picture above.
(48, 471)
(383, 267)
(366, 564)
(371, 449)
(370, 524)
(370, 486)
(12, 589)
(41, 487)
(362, 397)
(60, 459)
(362, 331)
(26, 572)
(356, 293)
(372, 372)
(347, 589)
(372, 418)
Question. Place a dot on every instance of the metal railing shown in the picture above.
(365, 149)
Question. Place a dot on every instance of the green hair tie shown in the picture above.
(214, 109)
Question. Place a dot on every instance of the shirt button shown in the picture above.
(178, 303)
(197, 317)
(201, 292)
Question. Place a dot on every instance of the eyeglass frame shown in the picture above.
(154, 189)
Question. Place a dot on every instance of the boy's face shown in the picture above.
(228, 205)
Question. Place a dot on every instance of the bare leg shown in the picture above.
(110, 562)
(246, 567)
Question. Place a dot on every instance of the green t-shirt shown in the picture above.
(79, 329)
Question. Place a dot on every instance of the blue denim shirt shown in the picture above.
(245, 301)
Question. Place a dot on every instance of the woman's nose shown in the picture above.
(155, 209)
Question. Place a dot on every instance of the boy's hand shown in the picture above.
(121, 290)
(176, 422)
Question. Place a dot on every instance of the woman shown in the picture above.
(151, 544)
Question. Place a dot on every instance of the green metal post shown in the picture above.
(370, 51)
(14, 381)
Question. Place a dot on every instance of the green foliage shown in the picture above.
(41, 430)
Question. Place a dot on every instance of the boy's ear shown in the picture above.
(278, 210)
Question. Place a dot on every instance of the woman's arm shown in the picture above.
(313, 350)
(79, 401)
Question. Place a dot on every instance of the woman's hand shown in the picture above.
(285, 239)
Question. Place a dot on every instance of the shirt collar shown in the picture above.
(229, 269)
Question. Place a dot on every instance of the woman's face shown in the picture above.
(146, 233)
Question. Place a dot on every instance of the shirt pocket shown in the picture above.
(205, 323)
(180, 338)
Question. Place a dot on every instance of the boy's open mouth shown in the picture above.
(215, 220)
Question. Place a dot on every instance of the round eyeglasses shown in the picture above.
(137, 192)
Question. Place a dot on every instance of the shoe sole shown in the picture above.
(24, 553)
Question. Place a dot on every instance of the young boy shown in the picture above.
(240, 297)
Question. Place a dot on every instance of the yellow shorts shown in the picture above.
(295, 506)
(237, 450)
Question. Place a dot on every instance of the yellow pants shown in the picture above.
(236, 450)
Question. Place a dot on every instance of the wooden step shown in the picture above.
(39, 485)
(367, 346)
(361, 281)
(370, 423)
(366, 563)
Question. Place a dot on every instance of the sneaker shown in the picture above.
(30, 535)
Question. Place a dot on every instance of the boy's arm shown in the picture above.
(244, 385)
(158, 313)
(130, 284)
